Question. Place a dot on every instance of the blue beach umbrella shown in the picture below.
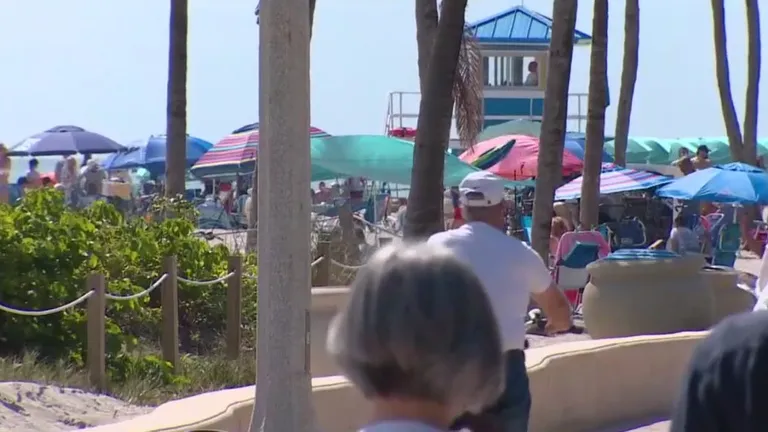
(150, 153)
(733, 183)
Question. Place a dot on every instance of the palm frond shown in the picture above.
(468, 91)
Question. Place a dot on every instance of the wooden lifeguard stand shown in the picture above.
(510, 41)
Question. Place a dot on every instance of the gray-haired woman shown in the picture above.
(419, 339)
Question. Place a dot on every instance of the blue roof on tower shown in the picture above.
(519, 25)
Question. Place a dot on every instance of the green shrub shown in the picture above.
(47, 250)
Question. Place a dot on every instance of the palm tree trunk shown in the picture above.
(553, 123)
(723, 72)
(176, 126)
(284, 384)
(598, 99)
(252, 236)
(628, 79)
(425, 200)
(753, 82)
(426, 29)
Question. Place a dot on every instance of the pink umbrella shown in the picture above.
(521, 162)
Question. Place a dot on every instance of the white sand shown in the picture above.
(28, 407)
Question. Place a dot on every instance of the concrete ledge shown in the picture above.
(577, 387)
(326, 302)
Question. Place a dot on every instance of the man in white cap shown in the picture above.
(511, 273)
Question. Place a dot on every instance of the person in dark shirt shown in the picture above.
(726, 386)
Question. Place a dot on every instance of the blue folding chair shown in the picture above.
(527, 222)
(727, 245)
(630, 234)
(571, 271)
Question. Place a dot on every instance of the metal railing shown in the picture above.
(402, 110)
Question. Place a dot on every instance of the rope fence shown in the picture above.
(97, 294)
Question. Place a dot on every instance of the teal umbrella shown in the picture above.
(512, 127)
(381, 158)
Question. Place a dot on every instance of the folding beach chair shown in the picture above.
(606, 232)
(527, 222)
(727, 245)
(630, 234)
(574, 251)
(571, 273)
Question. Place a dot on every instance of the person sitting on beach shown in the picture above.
(34, 180)
(558, 228)
(92, 178)
(418, 339)
(323, 194)
(682, 239)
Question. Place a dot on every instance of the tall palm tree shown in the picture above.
(753, 81)
(553, 123)
(597, 102)
(449, 68)
(176, 126)
(426, 29)
(252, 234)
(628, 79)
(723, 72)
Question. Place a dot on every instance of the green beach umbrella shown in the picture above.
(512, 127)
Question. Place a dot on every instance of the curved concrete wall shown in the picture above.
(576, 387)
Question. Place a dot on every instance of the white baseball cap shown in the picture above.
(481, 189)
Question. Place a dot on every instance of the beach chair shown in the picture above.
(630, 234)
(213, 215)
(574, 251)
(606, 232)
(727, 245)
(527, 222)
(570, 272)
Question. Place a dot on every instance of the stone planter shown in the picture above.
(639, 292)
(727, 298)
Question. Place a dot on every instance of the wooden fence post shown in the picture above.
(322, 270)
(170, 306)
(234, 306)
(96, 321)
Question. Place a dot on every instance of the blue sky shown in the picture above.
(102, 65)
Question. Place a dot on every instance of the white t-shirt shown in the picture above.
(400, 426)
(509, 269)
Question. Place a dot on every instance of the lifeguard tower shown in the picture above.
(515, 48)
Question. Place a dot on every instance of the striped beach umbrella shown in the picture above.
(614, 179)
(236, 154)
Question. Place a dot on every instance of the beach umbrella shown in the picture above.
(734, 183)
(493, 156)
(64, 140)
(575, 143)
(512, 127)
(521, 162)
(614, 179)
(637, 151)
(236, 154)
(382, 158)
(150, 153)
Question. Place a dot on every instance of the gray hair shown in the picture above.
(419, 324)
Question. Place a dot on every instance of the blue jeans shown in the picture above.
(511, 411)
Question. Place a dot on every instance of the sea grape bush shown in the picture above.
(48, 249)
